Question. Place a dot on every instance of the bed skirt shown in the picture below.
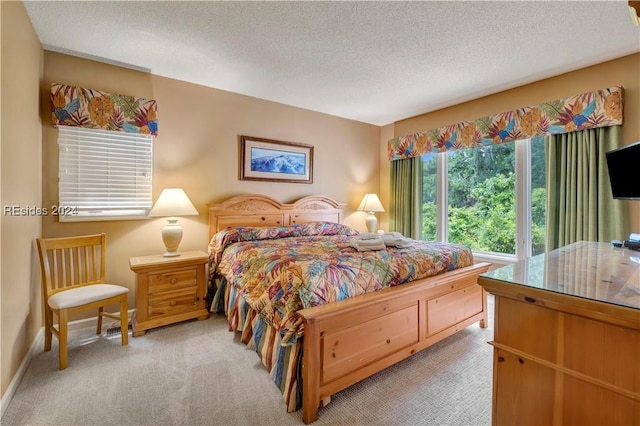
(284, 363)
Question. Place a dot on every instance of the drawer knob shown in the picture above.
(262, 218)
(173, 303)
(174, 280)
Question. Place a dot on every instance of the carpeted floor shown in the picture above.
(198, 373)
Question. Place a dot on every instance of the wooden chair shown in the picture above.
(73, 270)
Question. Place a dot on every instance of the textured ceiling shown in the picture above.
(375, 62)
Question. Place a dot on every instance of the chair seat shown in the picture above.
(84, 295)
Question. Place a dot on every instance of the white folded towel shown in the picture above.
(371, 242)
(367, 245)
(399, 243)
(395, 239)
(367, 241)
(392, 235)
(367, 236)
(359, 247)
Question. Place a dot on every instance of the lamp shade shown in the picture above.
(173, 202)
(634, 9)
(370, 203)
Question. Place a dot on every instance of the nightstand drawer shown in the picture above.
(173, 280)
(173, 302)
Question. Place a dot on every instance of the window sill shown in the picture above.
(100, 218)
(497, 259)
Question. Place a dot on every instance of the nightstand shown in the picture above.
(169, 289)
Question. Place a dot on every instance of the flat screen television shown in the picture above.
(624, 171)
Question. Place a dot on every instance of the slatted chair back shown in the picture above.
(72, 262)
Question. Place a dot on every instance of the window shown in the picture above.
(430, 197)
(492, 198)
(103, 175)
(481, 198)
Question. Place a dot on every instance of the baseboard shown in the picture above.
(91, 322)
(17, 378)
(38, 344)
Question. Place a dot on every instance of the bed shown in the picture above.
(323, 348)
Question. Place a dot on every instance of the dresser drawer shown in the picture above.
(174, 302)
(172, 280)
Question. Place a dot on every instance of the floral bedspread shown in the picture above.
(280, 270)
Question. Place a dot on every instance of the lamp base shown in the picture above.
(371, 221)
(171, 236)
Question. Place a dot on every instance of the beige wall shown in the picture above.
(623, 71)
(197, 149)
(386, 133)
(20, 155)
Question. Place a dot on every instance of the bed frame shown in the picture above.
(347, 341)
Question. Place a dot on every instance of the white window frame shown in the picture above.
(103, 175)
(523, 205)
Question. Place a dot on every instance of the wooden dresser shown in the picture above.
(169, 289)
(567, 337)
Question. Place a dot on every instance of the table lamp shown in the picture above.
(172, 202)
(371, 204)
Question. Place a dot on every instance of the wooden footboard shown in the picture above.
(350, 340)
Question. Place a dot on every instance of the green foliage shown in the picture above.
(468, 168)
(490, 223)
(538, 219)
(538, 172)
(429, 178)
(481, 195)
(429, 221)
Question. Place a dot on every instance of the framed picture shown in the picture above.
(275, 161)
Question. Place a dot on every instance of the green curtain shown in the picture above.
(405, 212)
(579, 201)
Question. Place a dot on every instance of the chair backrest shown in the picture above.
(71, 262)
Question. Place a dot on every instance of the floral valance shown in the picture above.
(585, 111)
(76, 106)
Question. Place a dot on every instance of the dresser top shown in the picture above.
(590, 270)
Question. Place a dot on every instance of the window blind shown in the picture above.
(103, 174)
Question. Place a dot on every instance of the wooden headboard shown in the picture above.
(262, 210)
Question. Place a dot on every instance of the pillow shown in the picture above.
(223, 238)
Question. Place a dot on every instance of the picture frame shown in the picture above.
(275, 161)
